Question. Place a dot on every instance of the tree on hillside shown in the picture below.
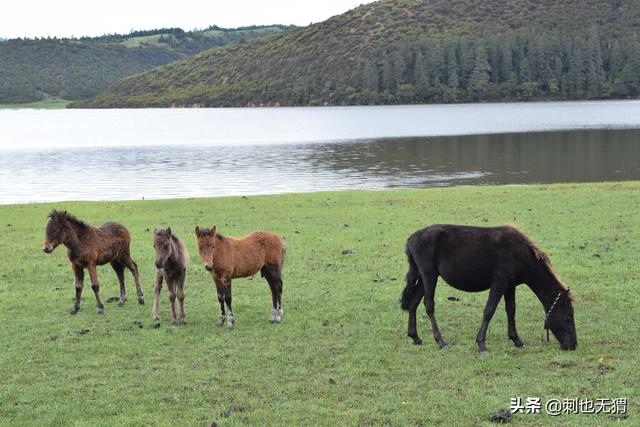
(479, 81)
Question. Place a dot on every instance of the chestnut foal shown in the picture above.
(227, 258)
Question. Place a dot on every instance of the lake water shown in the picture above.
(134, 154)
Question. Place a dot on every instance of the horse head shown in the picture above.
(206, 245)
(559, 320)
(56, 231)
(162, 244)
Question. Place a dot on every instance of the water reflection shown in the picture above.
(565, 156)
(189, 171)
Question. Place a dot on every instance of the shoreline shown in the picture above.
(319, 193)
(61, 104)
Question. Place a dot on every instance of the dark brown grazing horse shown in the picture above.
(475, 259)
(87, 247)
(172, 260)
(227, 258)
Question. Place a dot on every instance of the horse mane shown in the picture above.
(70, 218)
(541, 258)
(207, 232)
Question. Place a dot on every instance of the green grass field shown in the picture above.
(340, 356)
(47, 104)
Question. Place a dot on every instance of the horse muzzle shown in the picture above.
(208, 267)
(47, 249)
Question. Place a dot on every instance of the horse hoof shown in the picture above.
(417, 341)
(141, 300)
(444, 347)
(100, 310)
(483, 352)
(220, 321)
(229, 326)
(73, 311)
(520, 344)
(121, 304)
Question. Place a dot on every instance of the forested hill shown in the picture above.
(411, 51)
(36, 69)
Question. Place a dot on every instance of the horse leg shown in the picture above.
(133, 267)
(495, 293)
(171, 287)
(274, 297)
(93, 275)
(223, 315)
(180, 282)
(227, 301)
(412, 331)
(510, 307)
(277, 277)
(78, 274)
(430, 280)
(119, 269)
(156, 295)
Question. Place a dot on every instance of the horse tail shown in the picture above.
(284, 253)
(413, 280)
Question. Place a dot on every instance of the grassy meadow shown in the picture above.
(47, 104)
(341, 355)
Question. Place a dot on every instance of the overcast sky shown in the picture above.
(65, 18)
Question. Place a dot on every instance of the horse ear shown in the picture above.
(169, 231)
(213, 230)
(197, 231)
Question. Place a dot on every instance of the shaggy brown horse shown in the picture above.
(475, 259)
(87, 247)
(227, 258)
(172, 260)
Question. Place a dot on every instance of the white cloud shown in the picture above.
(64, 18)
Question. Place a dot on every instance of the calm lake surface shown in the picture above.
(134, 154)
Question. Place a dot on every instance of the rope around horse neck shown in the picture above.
(548, 313)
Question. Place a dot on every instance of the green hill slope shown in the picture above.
(34, 70)
(408, 51)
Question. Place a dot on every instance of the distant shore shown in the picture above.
(47, 104)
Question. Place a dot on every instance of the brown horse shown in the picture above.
(172, 260)
(227, 258)
(475, 259)
(87, 247)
